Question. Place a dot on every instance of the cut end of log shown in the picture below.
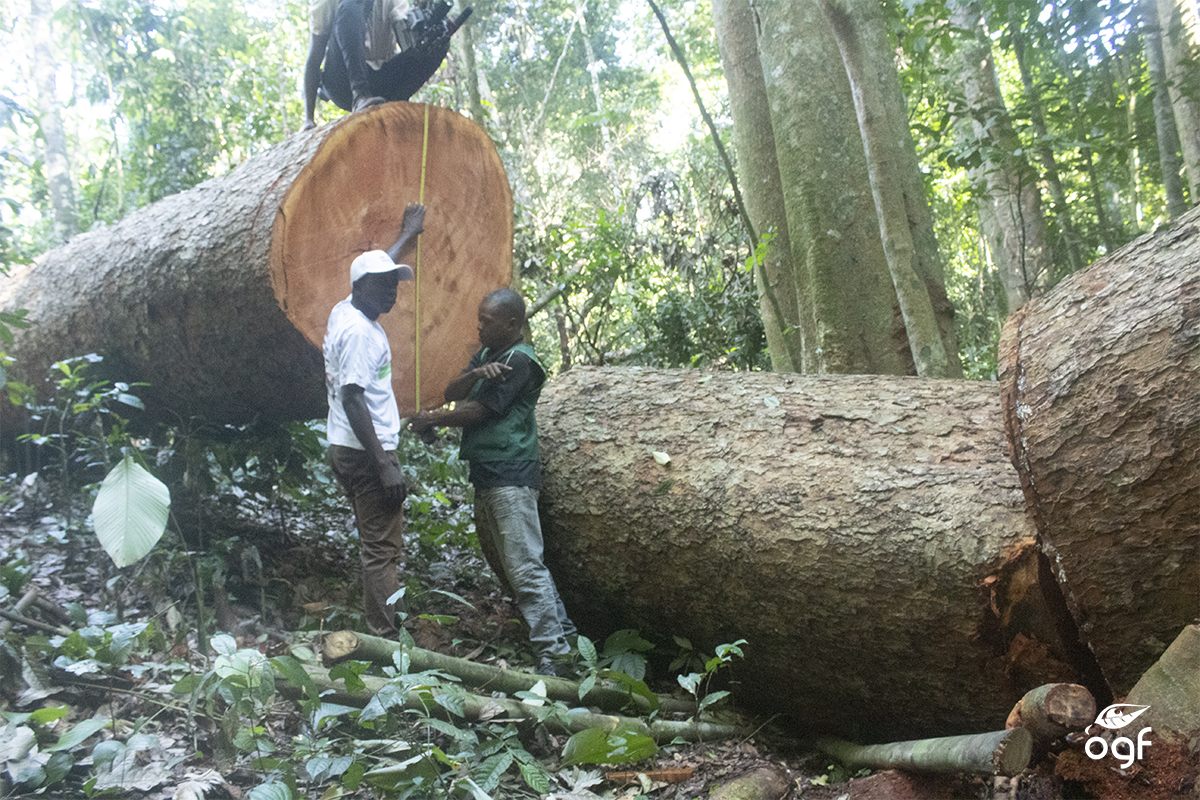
(338, 646)
(1013, 754)
(351, 197)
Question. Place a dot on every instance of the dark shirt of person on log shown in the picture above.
(495, 397)
(373, 51)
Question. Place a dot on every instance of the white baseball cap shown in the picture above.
(377, 261)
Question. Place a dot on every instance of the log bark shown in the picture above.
(1100, 380)
(476, 708)
(862, 532)
(218, 296)
(1172, 690)
(1052, 711)
(341, 645)
(1004, 752)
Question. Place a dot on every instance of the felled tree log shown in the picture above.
(218, 296)
(865, 534)
(1004, 752)
(476, 708)
(341, 645)
(1101, 386)
(1172, 690)
(1052, 711)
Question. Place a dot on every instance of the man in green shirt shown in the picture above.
(495, 398)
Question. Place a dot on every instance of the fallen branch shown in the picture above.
(671, 775)
(341, 645)
(1052, 711)
(21, 619)
(1000, 753)
(477, 709)
(25, 602)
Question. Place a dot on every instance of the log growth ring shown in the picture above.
(351, 197)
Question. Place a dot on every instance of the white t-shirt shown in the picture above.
(357, 352)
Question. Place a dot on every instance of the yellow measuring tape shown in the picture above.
(417, 270)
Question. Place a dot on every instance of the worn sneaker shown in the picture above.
(550, 667)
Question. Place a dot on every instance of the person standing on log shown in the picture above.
(494, 398)
(364, 421)
(357, 42)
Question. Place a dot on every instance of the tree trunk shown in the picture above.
(890, 154)
(1100, 381)
(831, 217)
(56, 165)
(1180, 38)
(784, 300)
(1071, 242)
(1164, 116)
(1004, 752)
(218, 296)
(862, 533)
(1008, 183)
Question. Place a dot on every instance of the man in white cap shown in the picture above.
(364, 422)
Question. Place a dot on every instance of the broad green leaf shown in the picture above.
(44, 716)
(535, 778)
(587, 651)
(594, 746)
(293, 672)
(130, 512)
(271, 791)
(78, 734)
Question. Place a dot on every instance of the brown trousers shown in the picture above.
(380, 531)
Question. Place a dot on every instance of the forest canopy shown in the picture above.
(1064, 115)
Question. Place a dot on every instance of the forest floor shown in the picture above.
(118, 696)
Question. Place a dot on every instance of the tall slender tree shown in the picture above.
(832, 225)
(56, 161)
(903, 216)
(784, 299)
(1014, 223)
(1164, 116)
(1180, 21)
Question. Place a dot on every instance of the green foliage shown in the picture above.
(698, 684)
(619, 746)
(130, 512)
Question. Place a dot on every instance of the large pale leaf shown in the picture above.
(130, 512)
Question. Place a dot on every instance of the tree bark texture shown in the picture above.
(831, 216)
(1018, 238)
(218, 296)
(784, 300)
(890, 155)
(1100, 381)
(863, 534)
(1180, 37)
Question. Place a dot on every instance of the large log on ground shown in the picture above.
(218, 296)
(1101, 383)
(865, 534)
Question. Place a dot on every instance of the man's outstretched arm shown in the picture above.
(410, 229)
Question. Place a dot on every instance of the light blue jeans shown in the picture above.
(507, 516)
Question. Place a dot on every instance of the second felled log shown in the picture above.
(865, 534)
